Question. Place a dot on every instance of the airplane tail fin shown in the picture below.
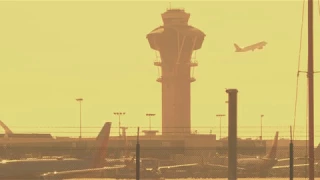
(273, 151)
(102, 145)
(317, 152)
(5, 127)
(126, 152)
(238, 49)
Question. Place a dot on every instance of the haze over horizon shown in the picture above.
(54, 52)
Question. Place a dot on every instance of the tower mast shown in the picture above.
(310, 89)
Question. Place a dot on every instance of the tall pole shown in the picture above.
(138, 157)
(261, 116)
(220, 116)
(291, 155)
(119, 114)
(232, 134)
(310, 89)
(149, 115)
(80, 100)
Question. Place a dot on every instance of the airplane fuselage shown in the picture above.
(33, 168)
(258, 166)
(251, 47)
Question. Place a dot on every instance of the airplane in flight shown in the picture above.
(259, 166)
(34, 168)
(258, 45)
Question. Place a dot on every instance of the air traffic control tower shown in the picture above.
(176, 41)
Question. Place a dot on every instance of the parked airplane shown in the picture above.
(258, 45)
(9, 134)
(149, 168)
(33, 168)
(98, 172)
(260, 165)
(82, 173)
(126, 156)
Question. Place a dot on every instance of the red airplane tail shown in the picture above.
(101, 146)
(238, 49)
(273, 151)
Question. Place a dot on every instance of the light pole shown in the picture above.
(80, 100)
(261, 116)
(119, 114)
(149, 115)
(220, 116)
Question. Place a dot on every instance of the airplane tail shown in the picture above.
(126, 152)
(273, 151)
(5, 127)
(238, 49)
(318, 147)
(102, 145)
(317, 152)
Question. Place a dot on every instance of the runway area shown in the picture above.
(286, 178)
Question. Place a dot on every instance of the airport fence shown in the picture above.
(252, 132)
(205, 145)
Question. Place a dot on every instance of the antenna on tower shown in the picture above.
(169, 5)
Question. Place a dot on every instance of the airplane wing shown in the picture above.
(246, 156)
(288, 159)
(118, 160)
(295, 165)
(95, 172)
(177, 166)
(222, 166)
(274, 167)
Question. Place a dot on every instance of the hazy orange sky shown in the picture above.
(54, 52)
